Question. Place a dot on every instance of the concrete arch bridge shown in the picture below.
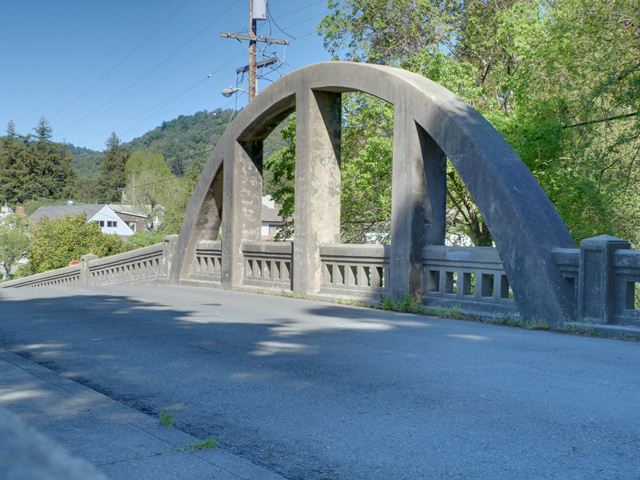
(534, 270)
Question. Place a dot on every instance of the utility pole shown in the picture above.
(253, 26)
(257, 11)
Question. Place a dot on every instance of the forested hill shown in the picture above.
(182, 141)
(185, 139)
(86, 161)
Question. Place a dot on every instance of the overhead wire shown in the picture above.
(158, 65)
(122, 60)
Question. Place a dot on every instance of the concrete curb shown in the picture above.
(120, 441)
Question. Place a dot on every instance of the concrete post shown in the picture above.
(85, 274)
(418, 202)
(596, 291)
(317, 184)
(242, 218)
(168, 252)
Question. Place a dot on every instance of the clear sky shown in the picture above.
(93, 67)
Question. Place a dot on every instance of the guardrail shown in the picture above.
(67, 276)
(602, 276)
(354, 270)
(469, 278)
(129, 268)
(143, 265)
(627, 279)
(267, 264)
(207, 264)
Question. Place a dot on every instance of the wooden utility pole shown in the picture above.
(253, 25)
(253, 39)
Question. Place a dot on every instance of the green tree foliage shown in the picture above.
(186, 139)
(112, 170)
(55, 243)
(34, 166)
(560, 80)
(145, 239)
(154, 190)
(13, 244)
(279, 181)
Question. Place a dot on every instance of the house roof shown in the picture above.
(128, 209)
(270, 215)
(55, 212)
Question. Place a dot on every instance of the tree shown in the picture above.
(11, 130)
(559, 80)
(43, 131)
(55, 243)
(34, 167)
(154, 190)
(13, 244)
(112, 178)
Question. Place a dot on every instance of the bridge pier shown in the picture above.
(242, 207)
(418, 203)
(317, 184)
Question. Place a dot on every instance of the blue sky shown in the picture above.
(93, 67)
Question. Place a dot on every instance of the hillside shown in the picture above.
(183, 141)
(86, 161)
(186, 139)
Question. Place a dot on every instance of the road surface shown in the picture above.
(317, 391)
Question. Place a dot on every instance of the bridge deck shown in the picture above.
(318, 391)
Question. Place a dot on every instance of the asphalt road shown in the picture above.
(318, 391)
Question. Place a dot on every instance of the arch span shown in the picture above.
(431, 124)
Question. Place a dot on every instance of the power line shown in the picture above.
(272, 19)
(173, 100)
(158, 65)
(124, 59)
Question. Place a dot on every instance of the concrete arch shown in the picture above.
(431, 123)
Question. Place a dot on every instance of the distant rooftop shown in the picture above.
(56, 212)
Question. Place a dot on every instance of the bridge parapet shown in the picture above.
(468, 278)
(603, 276)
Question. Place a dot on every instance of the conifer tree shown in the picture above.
(112, 171)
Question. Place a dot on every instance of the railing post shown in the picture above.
(85, 274)
(596, 292)
(418, 203)
(168, 251)
(317, 184)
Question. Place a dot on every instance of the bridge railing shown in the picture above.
(135, 267)
(354, 270)
(627, 290)
(469, 278)
(143, 265)
(602, 276)
(267, 264)
(67, 276)
(207, 264)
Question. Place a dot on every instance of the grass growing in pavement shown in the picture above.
(409, 304)
(166, 419)
(203, 444)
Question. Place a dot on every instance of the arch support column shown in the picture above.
(317, 184)
(418, 202)
(242, 218)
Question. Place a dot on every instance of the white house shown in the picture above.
(271, 219)
(103, 215)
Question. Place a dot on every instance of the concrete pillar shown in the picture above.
(242, 217)
(596, 290)
(168, 251)
(317, 184)
(85, 274)
(418, 203)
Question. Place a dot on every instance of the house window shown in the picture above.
(100, 222)
(112, 223)
(132, 226)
